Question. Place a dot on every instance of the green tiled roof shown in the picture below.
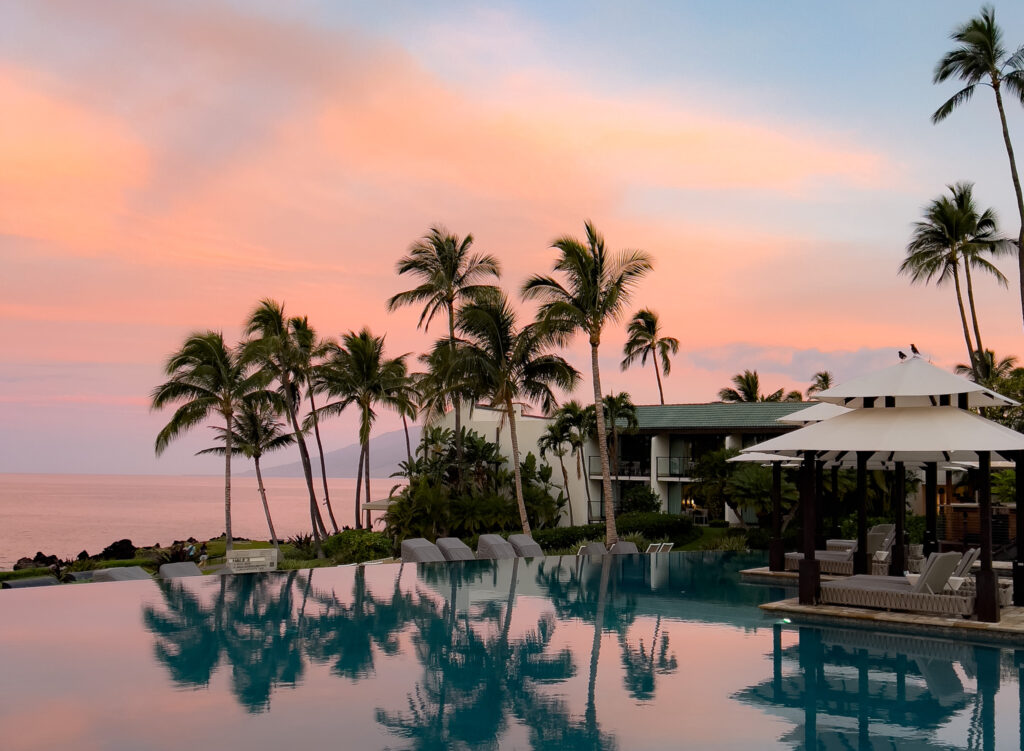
(716, 415)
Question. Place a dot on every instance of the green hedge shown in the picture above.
(652, 525)
(357, 545)
(560, 538)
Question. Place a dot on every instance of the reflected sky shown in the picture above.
(644, 652)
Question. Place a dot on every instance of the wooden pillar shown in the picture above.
(1018, 562)
(931, 508)
(860, 556)
(898, 556)
(810, 569)
(986, 605)
(776, 552)
(819, 504)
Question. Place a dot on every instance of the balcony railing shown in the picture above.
(675, 466)
(625, 468)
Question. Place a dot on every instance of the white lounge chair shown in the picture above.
(840, 562)
(659, 547)
(843, 544)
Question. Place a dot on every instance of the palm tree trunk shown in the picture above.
(657, 372)
(515, 466)
(611, 534)
(323, 465)
(595, 647)
(359, 485)
(366, 476)
(266, 507)
(1016, 189)
(963, 321)
(586, 480)
(456, 401)
(307, 467)
(408, 446)
(565, 480)
(228, 544)
(974, 314)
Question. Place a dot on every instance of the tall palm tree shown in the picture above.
(953, 234)
(596, 289)
(557, 438)
(449, 275)
(645, 340)
(980, 58)
(619, 408)
(579, 423)
(822, 381)
(510, 363)
(256, 431)
(360, 375)
(207, 377)
(747, 388)
(313, 351)
(274, 346)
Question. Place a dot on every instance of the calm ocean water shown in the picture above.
(64, 514)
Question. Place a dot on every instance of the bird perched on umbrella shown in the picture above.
(902, 354)
(913, 349)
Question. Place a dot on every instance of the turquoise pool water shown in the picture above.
(640, 652)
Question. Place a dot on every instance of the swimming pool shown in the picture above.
(639, 652)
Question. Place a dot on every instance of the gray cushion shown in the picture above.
(418, 550)
(494, 547)
(178, 570)
(595, 548)
(127, 573)
(623, 547)
(525, 546)
(32, 581)
(454, 549)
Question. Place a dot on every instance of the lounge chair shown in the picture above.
(624, 547)
(179, 570)
(840, 562)
(659, 547)
(419, 550)
(32, 581)
(525, 546)
(127, 573)
(841, 544)
(494, 548)
(593, 549)
(454, 549)
(928, 594)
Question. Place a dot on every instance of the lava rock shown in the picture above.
(24, 563)
(120, 550)
(83, 556)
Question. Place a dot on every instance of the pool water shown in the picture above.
(638, 652)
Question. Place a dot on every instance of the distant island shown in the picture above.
(386, 452)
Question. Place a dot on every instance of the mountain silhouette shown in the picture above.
(386, 451)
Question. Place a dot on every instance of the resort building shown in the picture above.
(660, 453)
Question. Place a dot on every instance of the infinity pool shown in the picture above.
(641, 652)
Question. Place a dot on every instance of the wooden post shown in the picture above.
(819, 504)
(776, 552)
(1018, 562)
(835, 501)
(860, 556)
(931, 508)
(810, 569)
(898, 556)
(987, 604)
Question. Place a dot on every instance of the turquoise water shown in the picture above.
(642, 652)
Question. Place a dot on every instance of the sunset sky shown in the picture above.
(167, 164)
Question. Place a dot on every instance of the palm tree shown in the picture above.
(619, 409)
(557, 438)
(747, 388)
(207, 377)
(274, 346)
(954, 234)
(596, 290)
(645, 340)
(449, 275)
(822, 381)
(980, 58)
(313, 351)
(580, 428)
(360, 375)
(406, 395)
(990, 370)
(256, 431)
(510, 363)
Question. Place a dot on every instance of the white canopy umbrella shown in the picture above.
(757, 457)
(913, 382)
(815, 413)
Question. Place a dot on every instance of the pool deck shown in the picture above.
(1009, 629)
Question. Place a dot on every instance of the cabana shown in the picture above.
(911, 413)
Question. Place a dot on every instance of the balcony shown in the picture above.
(626, 468)
(675, 466)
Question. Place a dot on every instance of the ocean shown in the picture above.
(65, 514)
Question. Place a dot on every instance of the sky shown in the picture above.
(167, 164)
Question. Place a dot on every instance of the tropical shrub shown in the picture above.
(563, 538)
(357, 545)
(677, 529)
(641, 499)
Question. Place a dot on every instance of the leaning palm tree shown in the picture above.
(449, 275)
(206, 378)
(361, 376)
(822, 381)
(274, 347)
(596, 289)
(981, 59)
(510, 363)
(256, 431)
(645, 340)
(557, 438)
(953, 235)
